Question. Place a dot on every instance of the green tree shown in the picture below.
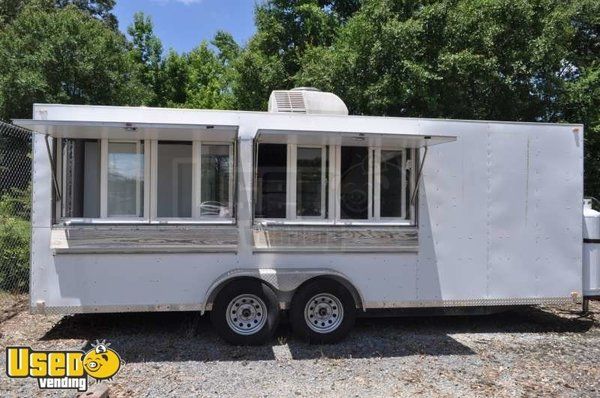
(15, 232)
(14, 253)
(209, 84)
(175, 74)
(9, 9)
(579, 100)
(476, 59)
(147, 53)
(473, 59)
(227, 47)
(101, 9)
(479, 59)
(285, 29)
(62, 56)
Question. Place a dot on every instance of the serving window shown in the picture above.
(125, 179)
(174, 169)
(144, 181)
(80, 164)
(334, 184)
(216, 181)
(311, 182)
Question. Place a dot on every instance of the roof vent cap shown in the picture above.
(306, 100)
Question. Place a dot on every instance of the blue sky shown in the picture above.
(183, 24)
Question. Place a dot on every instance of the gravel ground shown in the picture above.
(530, 351)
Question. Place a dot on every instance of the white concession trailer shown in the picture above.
(302, 208)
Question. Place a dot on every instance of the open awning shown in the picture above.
(377, 139)
(403, 140)
(130, 131)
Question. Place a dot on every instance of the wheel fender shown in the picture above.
(283, 281)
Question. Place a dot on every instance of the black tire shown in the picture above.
(226, 297)
(322, 287)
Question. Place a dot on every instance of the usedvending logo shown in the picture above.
(63, 369)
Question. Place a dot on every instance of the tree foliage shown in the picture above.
(471, 59)
(147, 54)
(201, 78)
(100, 9)
(15, 232)
(523, 60)
(479, 59)
(285, 29)
(62, 56)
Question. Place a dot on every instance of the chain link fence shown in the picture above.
(15, 210)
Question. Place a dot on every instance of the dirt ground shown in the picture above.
(531, 351)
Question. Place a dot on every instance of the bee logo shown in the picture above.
(63, 369)
(101, 362)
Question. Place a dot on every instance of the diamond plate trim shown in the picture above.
(470, 302)
(42, 309)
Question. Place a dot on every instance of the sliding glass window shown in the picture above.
(311, 182)
(174, 185)
(194, 180)
(125, 188)
(216, 182)
(354, 183)
(271, 181)
(390, 183)
(291, 182)
(80, 170)
(147, 180)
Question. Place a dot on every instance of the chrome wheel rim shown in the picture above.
(246, 314)
(324, 313)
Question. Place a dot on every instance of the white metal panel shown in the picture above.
(399, 139)
(133, 279)
(159, 118)
(557, 164)
(129, 131)
(245, 179)
(453, 215)
(381, 278)
(42, 182)
(129, 114)
(487, 228)
(470, 221)
(41, 214)
(512, 214)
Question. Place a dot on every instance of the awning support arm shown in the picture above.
(53, 168)
(419, 175)
(255, 146)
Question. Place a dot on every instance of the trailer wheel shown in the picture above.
(245, 312)
(322, 312)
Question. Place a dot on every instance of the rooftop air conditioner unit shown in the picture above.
(307, 100)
